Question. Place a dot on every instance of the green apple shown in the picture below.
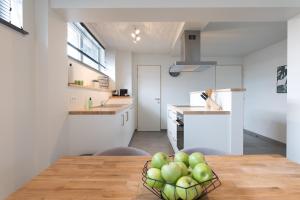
(202, 172)
(196, 158)
(187, 188)
(171, 172)
(169, 192)
(184, 169)
(159, 159)
(182, 157)
(154, 178)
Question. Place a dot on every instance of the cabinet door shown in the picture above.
(123, 129)
(127, 126)
(172, 125)
(131, 122)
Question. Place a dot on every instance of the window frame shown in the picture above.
(14, 27)
(83, 54)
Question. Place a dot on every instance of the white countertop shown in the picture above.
(197, 110)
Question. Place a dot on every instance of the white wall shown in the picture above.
(176, 90)
(78, 97)
(34, 107)
(79, 71)
(51, 86)
(229, 77)
(17, 139)
(124, 70)
(293, 96)
(36, 98)
(265, 110)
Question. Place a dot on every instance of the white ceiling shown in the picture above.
(217, 39)
(157, 37)
(230, 27)
(238, 38)
(171, 3)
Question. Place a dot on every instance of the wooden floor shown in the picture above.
(153, 142)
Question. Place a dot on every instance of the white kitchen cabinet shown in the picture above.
(123, 130)
(127, 125)
(172, 127)
(200, 130)
(131, 122)
(207, 131)
(96, 133)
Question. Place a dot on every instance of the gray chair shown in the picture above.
(123, 151)
(205, 151)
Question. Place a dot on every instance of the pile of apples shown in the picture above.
(180, 178)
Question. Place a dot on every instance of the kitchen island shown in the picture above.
(257, 177)
(196, 125)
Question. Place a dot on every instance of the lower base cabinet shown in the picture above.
(89, 134)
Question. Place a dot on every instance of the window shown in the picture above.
(84, 47)
(11, 14)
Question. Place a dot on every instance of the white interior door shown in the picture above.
(149, 98)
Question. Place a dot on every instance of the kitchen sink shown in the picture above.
(111, 105)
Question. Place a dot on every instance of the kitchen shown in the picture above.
(112, 83)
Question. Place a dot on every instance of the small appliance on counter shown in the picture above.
(124, 92)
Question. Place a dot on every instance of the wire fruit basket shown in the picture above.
(194, 192)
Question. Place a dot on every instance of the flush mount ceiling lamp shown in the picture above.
(136, 35)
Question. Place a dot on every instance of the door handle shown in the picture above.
(157, 100)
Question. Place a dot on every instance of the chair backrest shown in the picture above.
(123, 151)
(205, 151)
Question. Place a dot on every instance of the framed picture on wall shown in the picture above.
(282, 79)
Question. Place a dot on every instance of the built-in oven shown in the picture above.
(180, 131)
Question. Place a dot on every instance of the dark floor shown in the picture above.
(254, 144)
(153, 142)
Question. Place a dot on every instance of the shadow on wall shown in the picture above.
(61, 141)
(271, 127)
(279, 128)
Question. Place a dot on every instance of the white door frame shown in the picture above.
(138, 93)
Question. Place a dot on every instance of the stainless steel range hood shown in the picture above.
(191, 54)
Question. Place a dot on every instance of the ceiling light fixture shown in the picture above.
(136, 35)
(137, 31)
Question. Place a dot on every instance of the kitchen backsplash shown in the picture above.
(78, 97)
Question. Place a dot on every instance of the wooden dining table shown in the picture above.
(261, 177)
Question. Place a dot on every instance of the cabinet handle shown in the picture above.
(176, 122)
(127, 116)
(123, 120)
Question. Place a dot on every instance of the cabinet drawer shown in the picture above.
(172, 115)
(173, 126)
